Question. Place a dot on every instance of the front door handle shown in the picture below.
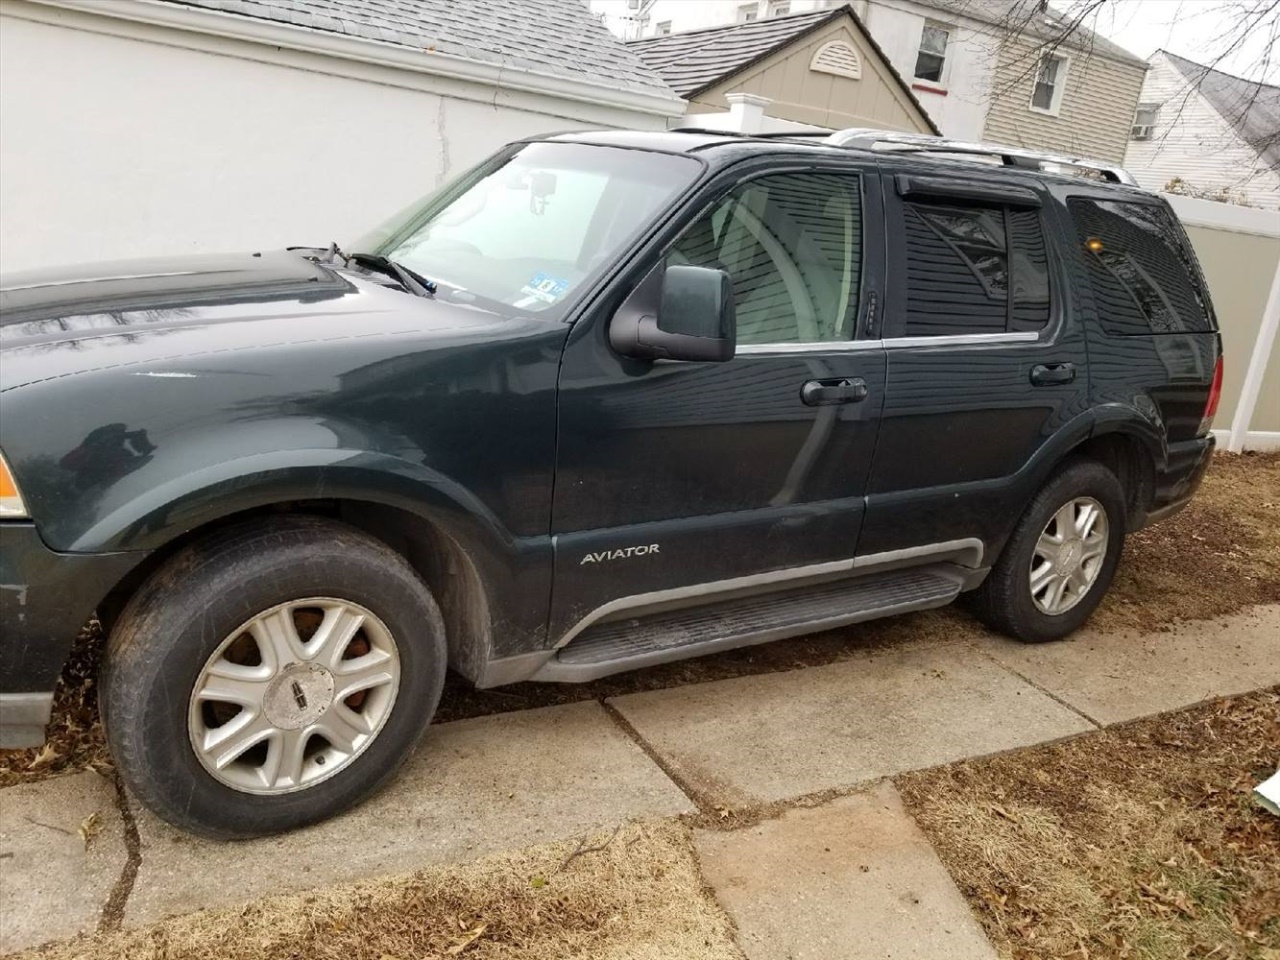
(819, 393)
(1043, 374)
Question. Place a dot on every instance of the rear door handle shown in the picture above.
(820, 393)
(1043, 374)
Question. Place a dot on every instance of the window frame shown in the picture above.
(747, 13)
(916, 182)
(867, 178)
(944, 68)
(778, 8)
(662, 28)
(1059, 84)
(1148, 128)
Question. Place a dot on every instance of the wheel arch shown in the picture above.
(444, 561)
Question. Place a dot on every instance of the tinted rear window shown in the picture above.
(1144, 277)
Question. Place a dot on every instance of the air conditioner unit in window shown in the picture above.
(1140, 131)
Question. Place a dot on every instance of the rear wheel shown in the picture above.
(271, 676)
(1061, 558)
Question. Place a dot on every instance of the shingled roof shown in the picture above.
(1252, 109)
(696, 60)
(559, 37)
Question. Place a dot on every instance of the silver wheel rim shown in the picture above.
(294, 695)
(1068, 556)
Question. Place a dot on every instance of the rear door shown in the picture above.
(984, 364)
(683, 476)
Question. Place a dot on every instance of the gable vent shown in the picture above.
(838, 58)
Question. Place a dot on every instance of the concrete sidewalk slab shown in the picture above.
(783, 735)
(854, 879)
(51, 886)
(475, 787)
(1119, 675)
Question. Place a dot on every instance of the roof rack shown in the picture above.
(871, 139)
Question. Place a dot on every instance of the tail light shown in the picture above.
(1215, 393)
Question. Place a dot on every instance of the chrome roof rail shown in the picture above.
(892, 140)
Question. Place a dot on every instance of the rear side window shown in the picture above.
(973, 267)
(1142, 272)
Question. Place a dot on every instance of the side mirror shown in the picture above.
(677, 312)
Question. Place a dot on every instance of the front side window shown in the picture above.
(973, 268)
(1144, 277)
(932, 55)
(792, 244)
(1051, 76)
(523, 230)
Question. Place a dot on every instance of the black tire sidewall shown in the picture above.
(182, 627)
(1011, 588)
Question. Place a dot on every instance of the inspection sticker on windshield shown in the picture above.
(545, 287)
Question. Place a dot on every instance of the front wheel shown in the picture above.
(271, 676)
(1061, 558)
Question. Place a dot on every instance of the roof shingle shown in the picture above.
(1252, 109)
(559, 37)
(696, 59)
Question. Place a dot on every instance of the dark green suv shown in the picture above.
(608, 400)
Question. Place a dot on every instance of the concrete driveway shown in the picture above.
(831, 853)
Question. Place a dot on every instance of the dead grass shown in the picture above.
(1138, 842)
(641, 897)
(1219, 555)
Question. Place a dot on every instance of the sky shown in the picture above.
(1196, 29)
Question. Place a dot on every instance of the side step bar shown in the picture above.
(613, 646)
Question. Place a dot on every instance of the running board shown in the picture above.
(616, 645)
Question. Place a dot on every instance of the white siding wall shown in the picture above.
(113, 147)
(960, 111)
(1193, 142)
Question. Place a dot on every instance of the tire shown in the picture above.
(372, 621)
(1006, 600)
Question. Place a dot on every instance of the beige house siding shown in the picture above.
(821, 99)
(1097, 104)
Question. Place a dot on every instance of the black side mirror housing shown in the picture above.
(677, 312)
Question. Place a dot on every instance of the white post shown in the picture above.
(746, 112)
(1257, 368)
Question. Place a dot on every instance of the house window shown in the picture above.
(662, 29)
(1051, 79)
(933, 52)
(747, 12)
(779, 8)
(1144, 121)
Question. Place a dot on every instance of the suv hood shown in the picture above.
(63, 321)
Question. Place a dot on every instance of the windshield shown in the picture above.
(521, 231)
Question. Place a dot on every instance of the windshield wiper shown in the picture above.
(411, 280)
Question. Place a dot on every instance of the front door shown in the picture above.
(681, 476)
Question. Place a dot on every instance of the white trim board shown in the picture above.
(1259, 440)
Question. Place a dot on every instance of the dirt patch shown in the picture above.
(1219, 555)
(1140, 841)
(633, 895)
(75, 740)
